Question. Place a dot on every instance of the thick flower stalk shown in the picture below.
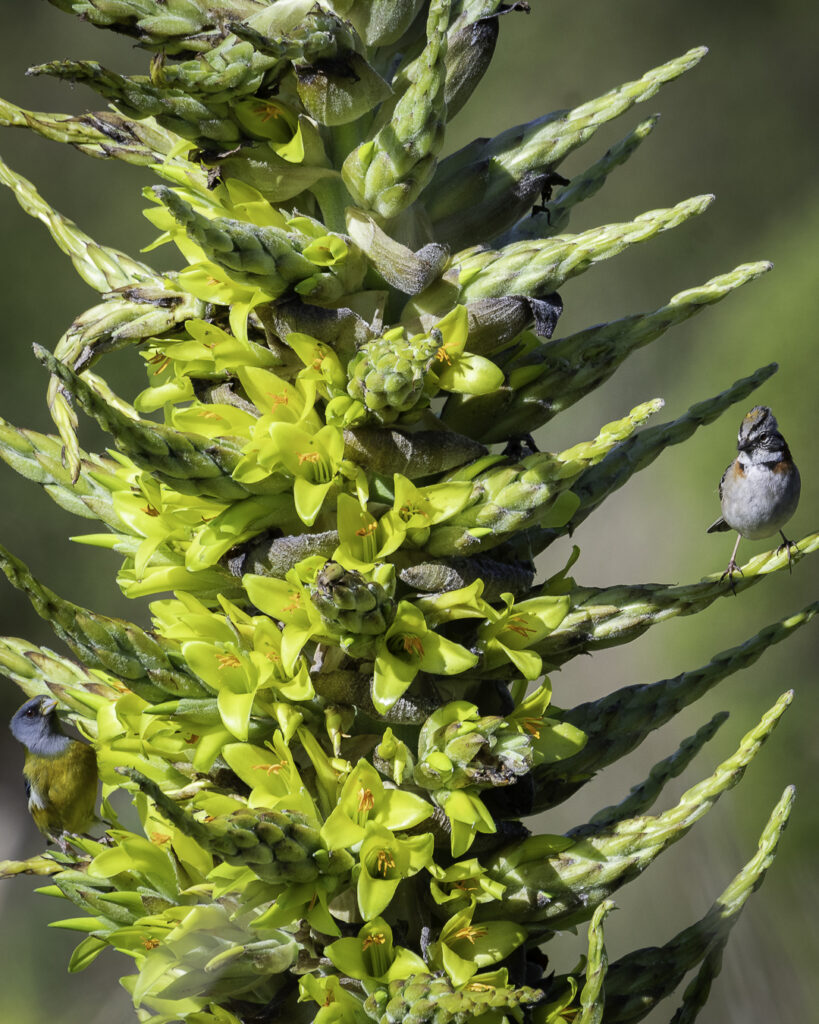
(337, 725)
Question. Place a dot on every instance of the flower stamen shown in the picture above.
(377, 939)
(268, 112)
(412, 645)
(384, 861)
(518, 625)
(366, 800)
(470, 932)
(268, 768)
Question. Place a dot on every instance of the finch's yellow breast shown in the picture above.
(63, 789)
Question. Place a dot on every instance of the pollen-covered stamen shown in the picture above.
(268, 111)
(278, 399)
(321, 469)
(150, 944)
(270, 768)
(366, 800)
(228, 661)
(406, 512)
(465, 885)
(412, 645)
(149, 510)
(519, 625)
(367, 535)
(470, 932)
(276, 661)
(443, 356)
(295, 602)
(532, 726)
(383, 862)
(376, 939)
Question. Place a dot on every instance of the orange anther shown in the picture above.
(413, 645)
(366, 800)
(384, 862)
(532, 725)
(470, 932)
(268, 111)
(268, 768)
(519, 625)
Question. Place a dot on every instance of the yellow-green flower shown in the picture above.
(364, 798)
(463, 947)
(408, 647)
(371, 956)
(384, 859)
(510, 632)
(287, 600)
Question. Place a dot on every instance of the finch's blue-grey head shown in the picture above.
(37, 727)
(759, 429)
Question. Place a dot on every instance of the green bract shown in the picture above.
(336, 729)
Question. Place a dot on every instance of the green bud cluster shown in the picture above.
(350, 603)
(336, 725)
(390, 375)
(424, 999)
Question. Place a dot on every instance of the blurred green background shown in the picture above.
(742, 125)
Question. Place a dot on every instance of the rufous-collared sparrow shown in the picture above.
(759, 491)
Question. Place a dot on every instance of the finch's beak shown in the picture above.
(48, 707)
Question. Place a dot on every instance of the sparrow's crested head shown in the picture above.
(759, 429)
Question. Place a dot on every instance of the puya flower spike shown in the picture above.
(336, 727)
